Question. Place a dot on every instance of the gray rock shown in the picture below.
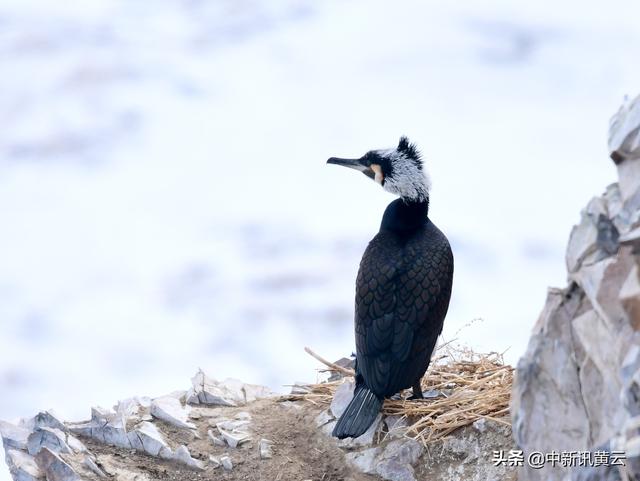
(364, 461)
(234, 438)
(624, 145)
(129, 408)
(52, 438)
(13, 437)
(398, 458)
(103, 415)
(593, 341)
(434, 393)
(394, 470)
(624, 131)
(109, 434)
(342, 398)
(232, 424)
(266, 451)
(631, 238)
(466, 448)
(323, 418)
(215, 439)
(629, 175)
(105, 426)
(214, 462)
(208, 391)
(75, 444)
(583, 240)
(109, 427)
(46, 419)
(601, 282)
(226, 463)
(22, 466)
(147, 438)
(396, 425)
(328, 428)
(171, 411)
(93, 467)
(229, 392)
(547, 398)
(630, 297)
(165, 453)
(54, 467)
(403, 450)
(183, 456)
(618, 212)
(112, 433)
(480, 425)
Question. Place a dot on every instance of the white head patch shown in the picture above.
(408, 178)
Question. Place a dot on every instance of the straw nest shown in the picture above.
(462, 387)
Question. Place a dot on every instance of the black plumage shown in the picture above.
(402, 296)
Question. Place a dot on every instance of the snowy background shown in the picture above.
(165, 203)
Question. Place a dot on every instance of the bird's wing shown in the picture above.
(402, 294)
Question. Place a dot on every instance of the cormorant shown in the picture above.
(402, 289)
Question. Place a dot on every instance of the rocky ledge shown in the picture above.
(112, 441)
(577, 389)
(233, 430)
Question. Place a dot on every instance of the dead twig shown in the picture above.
(331, 365)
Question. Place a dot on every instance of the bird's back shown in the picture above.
(402, 296)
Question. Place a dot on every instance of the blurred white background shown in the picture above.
(165, 203)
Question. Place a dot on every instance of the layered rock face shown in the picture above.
(578, 385)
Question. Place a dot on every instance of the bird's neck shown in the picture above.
(404, 216)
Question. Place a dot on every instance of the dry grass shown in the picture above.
(466, 386)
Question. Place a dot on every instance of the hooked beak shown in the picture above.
(356, 164)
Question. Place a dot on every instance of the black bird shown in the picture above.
(402, 289)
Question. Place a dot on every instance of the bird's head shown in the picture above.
(398, 170)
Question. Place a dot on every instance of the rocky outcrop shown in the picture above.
(577, 387)
(387, 451)
(45, 447)
(240, 430)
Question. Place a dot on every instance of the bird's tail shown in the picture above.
(359, 415)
